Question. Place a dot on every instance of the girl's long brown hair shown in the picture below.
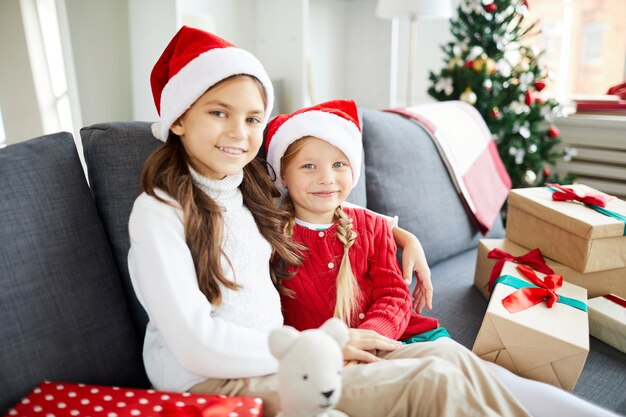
(348, 290)
(167, 169)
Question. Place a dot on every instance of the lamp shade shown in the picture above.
(426, 9)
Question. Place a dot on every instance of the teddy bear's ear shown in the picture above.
(281, 340)
(337, 329)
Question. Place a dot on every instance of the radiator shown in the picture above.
(600, 141)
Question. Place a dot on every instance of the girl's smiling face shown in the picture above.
(318, 178)
(223, 130)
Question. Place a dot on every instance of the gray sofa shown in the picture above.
(68, 312)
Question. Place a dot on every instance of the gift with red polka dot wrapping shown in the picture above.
(59, 399)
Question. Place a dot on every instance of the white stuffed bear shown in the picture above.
(309, 369)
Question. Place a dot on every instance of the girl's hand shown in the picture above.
(362, 343)
(414, 260)
(423, 293)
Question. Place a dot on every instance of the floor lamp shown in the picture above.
(414, 10)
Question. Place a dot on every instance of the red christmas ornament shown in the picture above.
(553, 132)
(546, 172)
(495, 113)
(540, 85)
(491, 8)
(528, 98)
(470, 64)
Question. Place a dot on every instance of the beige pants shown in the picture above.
(438, 379)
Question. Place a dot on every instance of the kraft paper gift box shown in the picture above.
(598, 283)
(569, 232)
(540, 343)
(607, 320)
(61, 399)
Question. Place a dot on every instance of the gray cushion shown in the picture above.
(460, 308)
(406, 177)
(63, 315)
(115, 154)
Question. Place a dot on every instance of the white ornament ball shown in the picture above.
(530, 177)
(468, 96)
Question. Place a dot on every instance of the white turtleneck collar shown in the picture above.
(225, 191)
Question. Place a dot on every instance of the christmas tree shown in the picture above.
(489, 66)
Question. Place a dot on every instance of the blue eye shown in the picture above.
(339, 165)
(308, 166)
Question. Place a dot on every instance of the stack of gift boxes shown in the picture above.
(559, 276)
(57, 399)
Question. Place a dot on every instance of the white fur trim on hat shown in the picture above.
(334, 129)
(203, 72)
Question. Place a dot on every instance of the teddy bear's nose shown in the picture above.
(327, 394)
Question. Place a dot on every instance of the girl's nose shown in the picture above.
(236, 129)
(327, 176)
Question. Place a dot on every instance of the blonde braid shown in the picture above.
(348, 290)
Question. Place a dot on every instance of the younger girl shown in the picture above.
(202, 234)
(349, 268)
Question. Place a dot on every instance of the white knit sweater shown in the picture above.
(187, 339)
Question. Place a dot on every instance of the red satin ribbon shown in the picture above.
(527, 297)
(533, 259)
(617, 300)
(568, 194)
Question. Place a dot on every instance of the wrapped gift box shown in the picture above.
(568, 232)
(540, 343)
(79, 400)
(612, 281)
(607, 320)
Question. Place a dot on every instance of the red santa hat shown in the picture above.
(336, 122)
(193, 62)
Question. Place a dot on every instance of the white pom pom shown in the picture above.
(156, 131)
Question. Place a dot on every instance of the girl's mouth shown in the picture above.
(231, 151)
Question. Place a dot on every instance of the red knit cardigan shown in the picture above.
(386, 305)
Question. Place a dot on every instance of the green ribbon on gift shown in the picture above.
(602, 210)
(515, 282)
(428, 336)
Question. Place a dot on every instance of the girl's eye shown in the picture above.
(218, 113)
(308, 166)
(339, 165)
(253, 120)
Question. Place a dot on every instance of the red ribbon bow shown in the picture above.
(533, 259)
(568, 194)
(527, 297)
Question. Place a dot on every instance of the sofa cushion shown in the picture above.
(64, 315)
(115, 154)
(406, 177)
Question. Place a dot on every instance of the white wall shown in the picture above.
(151, 26)
(100, 42)
(281, 30)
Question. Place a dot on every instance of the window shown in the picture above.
(45, 49)
(584, 43)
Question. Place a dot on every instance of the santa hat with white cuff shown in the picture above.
(336, 122)
(193, 62)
